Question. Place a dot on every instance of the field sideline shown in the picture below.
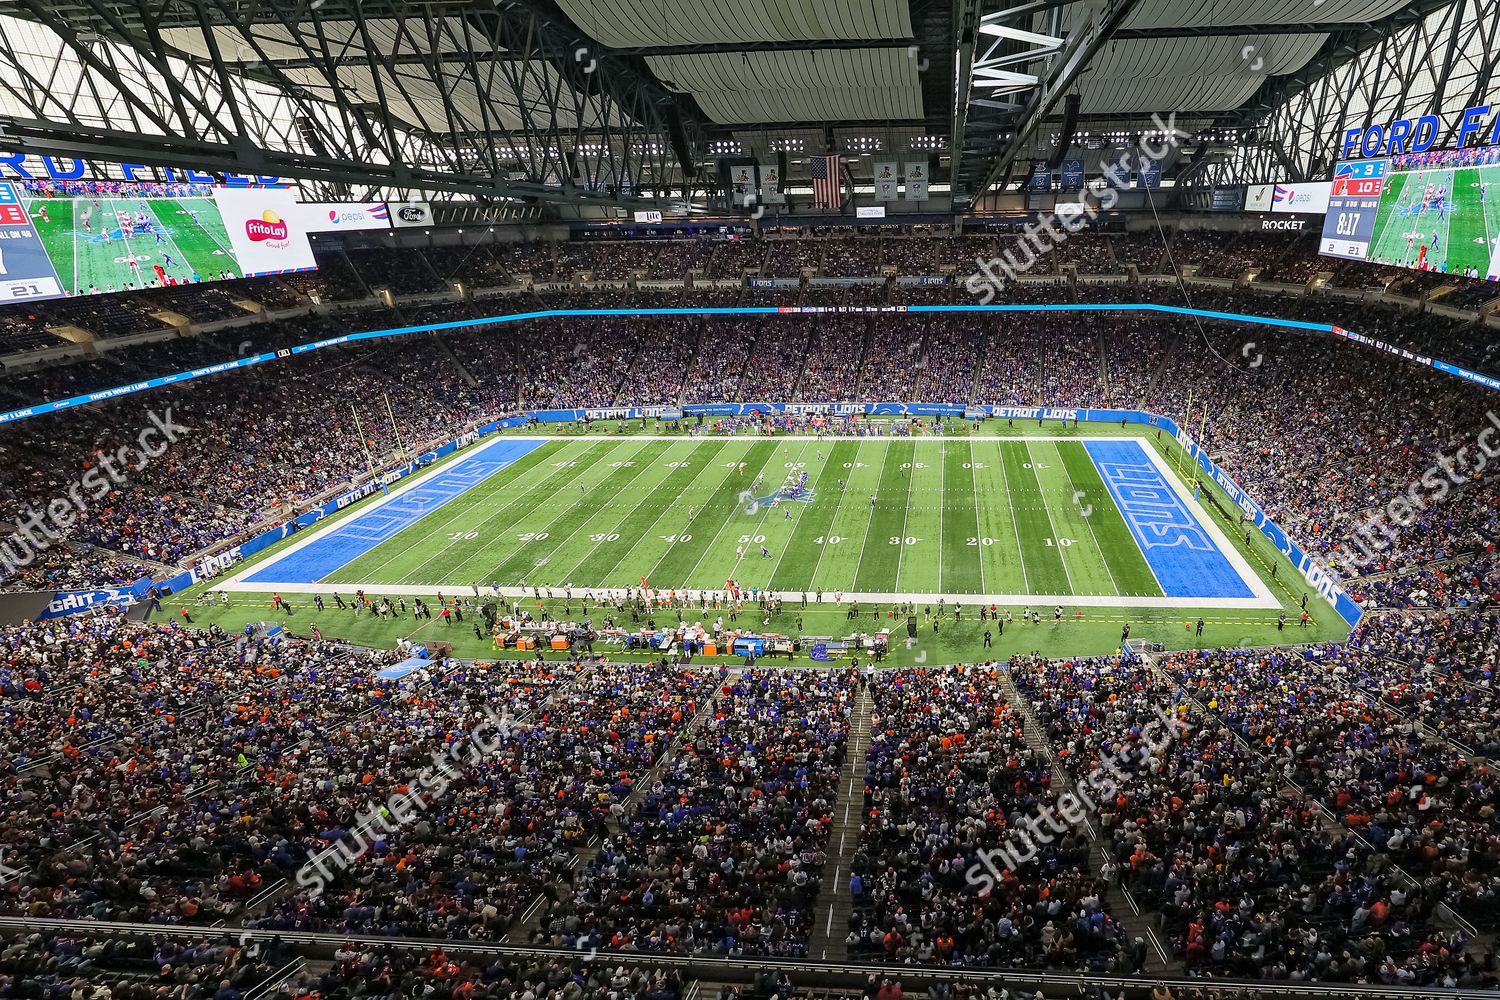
(998, 520)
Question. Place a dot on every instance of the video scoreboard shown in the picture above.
(65, 238)
(1353, 206)
(1433, 210)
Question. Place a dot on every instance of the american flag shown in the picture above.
(825, 177)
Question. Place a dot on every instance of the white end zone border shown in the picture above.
(1263, 598)
(311, 535)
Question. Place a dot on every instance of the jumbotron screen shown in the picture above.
(65, 238)
(1434, 211)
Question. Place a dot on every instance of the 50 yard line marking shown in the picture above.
(729, 516)
(793, 532)
(760, 525)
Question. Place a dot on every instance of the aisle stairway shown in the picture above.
(831, 913)
(535, 914)
(1117, 900)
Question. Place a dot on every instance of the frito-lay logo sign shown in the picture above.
(269, 226)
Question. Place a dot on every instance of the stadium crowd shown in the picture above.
(725, 851)
(1285, 815)
(948, 774)
(1218, 822)
(220, 967)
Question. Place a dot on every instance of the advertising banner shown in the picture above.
(335, 216)
(1310, 198)
(410, 214)
(266, 231)
(1258, 197)
(72, 602)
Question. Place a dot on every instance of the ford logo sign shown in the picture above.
(412, 213)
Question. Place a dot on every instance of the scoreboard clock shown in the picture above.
(1353, 204)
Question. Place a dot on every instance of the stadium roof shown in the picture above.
(579, 100)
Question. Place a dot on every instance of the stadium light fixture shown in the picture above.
(1017, 34)
(991, 77)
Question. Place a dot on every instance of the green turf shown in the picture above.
(654, 502)
(950, 516)
(1080, 632)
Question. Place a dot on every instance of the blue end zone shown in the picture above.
(363, 532)
(1185, 560)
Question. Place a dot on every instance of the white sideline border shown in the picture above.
(1263, 599)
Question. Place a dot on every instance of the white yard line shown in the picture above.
(795, 522)
(864, 544)
(942, 476)
(582, 500)
(911, 474)
(666, 507)
(1014, 524)
(181, 257)
(713, 543)
(759, 529)
(1448, 217)
(228, 254)
(411, 483)
(525, 496)
(838, 506)
(1062, 553)
(689, 526)
(978, 531)
(1088, 522)
(454, 515)
(629, 543)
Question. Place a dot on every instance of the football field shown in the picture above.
(1070, 521)
(91, 244)
(1466, 232)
